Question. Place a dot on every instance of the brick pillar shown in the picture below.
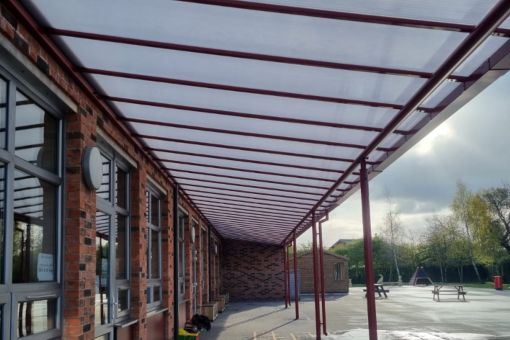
(167, 260)
(79, 231)
(139, 253)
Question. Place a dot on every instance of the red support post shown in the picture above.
(321, 265)
(296, 283)
(288, 272)
(367, 245)
(316, 279)
(285, 277)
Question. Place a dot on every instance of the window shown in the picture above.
(30, 212)
(338, 272)
(182, 222)
(154, 219)
(112, 302)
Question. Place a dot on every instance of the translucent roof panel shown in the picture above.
(199, 99)
(266, 108)
(456, 11)
(256, 32)
(245, 73)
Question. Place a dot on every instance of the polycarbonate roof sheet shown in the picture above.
(258, 113)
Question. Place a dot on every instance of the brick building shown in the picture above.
(153, 158)
(336, 273)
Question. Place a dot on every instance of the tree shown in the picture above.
(445, 246)
(498, 202)
(392, 233)
(461, 205)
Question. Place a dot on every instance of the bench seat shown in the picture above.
(458, 290)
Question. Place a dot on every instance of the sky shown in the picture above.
(472, 146)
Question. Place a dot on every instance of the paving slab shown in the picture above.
(409, 313)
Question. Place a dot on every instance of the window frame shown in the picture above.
(110, 207)
(181, 250)
(337, 273)
(154, 283)
(12, 293)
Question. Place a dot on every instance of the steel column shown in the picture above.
(296, 284)
(321, 265)
(285, 288)
(316, 279)
(288, 272)
(367, 246)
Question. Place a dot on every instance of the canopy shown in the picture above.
(262, 111)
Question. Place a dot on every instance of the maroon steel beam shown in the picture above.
(256, 172)
(246, 178)
(315, 279)
(347, 101)
(261, 208)
(285, 277)
(264, 228)
(199, 193)
(264, 92)
(347, 16)
(205, 198)
(245, 217)
(246, 191)
(242, 160)
(191, 190)
(296, 283)
(246, 185)
(212, 211)
(230, 168)
(321, 266)
(368, 253)
(489, 23)
(257, 212)
(237, 54)
(234, 147)
(246, 133)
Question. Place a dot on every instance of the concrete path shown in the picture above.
(409, 313)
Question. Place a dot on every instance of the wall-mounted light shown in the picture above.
(92, 167)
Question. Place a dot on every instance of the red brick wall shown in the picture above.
(251, 270)
(80, 206)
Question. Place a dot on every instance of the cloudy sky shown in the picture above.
(472, 146)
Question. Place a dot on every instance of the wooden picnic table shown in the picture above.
(450, 290)
(379, 289)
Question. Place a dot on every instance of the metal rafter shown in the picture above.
(244, 186)
(252, 134)
(239, 54)
(264, 92)
(242, 148)
(348, 16)
(310, 199)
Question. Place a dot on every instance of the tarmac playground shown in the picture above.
(409, 313)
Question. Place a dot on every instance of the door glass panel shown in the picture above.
(156, 293)
(154, 254)
(102, 311)
(123, 300)
(36, 137)
(36, 316)
(3, 111)
(121, 248)
(34, 252)
(154, 211)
